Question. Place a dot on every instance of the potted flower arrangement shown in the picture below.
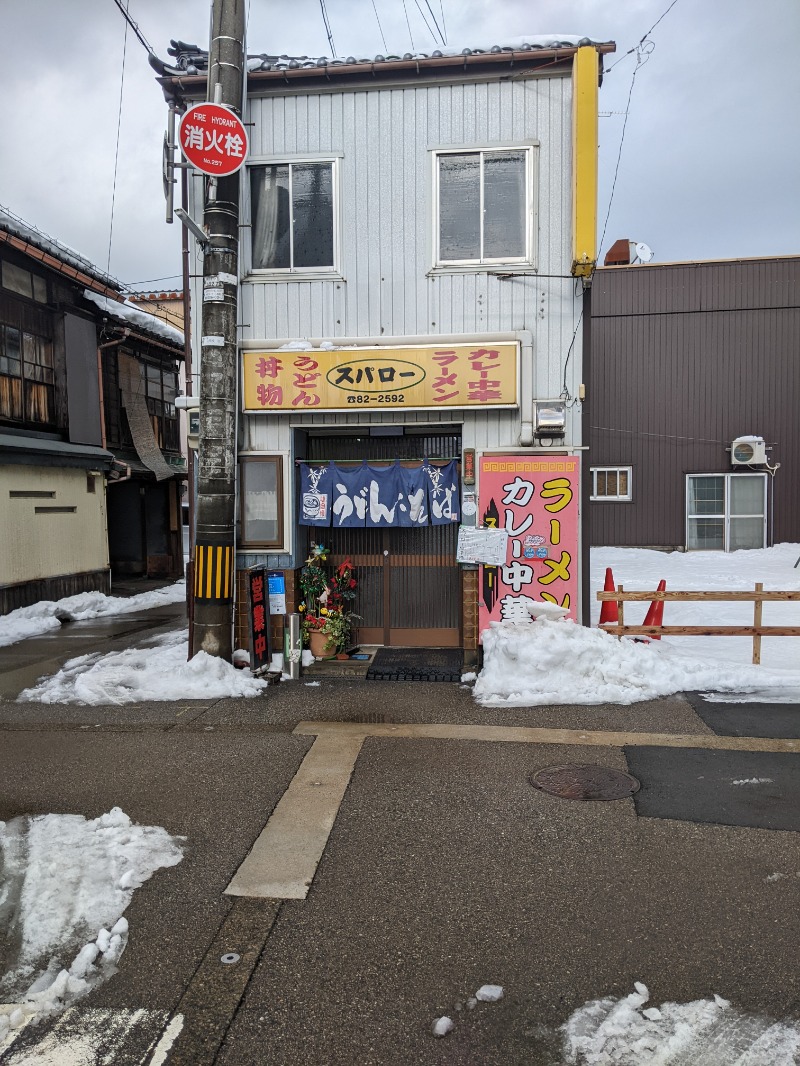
(327, 625)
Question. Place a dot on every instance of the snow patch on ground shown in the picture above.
(550, 662)
(47, 615)
(639, 569)
(65, 883)
(148, 673)
(617, 1031)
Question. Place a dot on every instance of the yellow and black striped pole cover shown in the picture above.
(213, 572)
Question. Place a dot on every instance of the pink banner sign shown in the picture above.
(536, 500)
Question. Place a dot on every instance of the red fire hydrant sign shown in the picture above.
(213, 139)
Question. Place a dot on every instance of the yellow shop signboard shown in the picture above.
(425, 377)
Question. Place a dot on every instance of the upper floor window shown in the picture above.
(293, 218)
(484, 206)
(21, 281)
(161, 388)
(27, 377)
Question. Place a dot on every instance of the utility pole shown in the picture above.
(214, 556)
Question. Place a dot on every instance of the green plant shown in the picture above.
(338, 626)
(313, 581)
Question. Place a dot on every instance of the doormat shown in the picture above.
(416, 664)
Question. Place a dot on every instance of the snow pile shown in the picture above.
(49, 614)
(618, 1031)
(65, 884)
(639, 569)
(147, 673)
(560, 662)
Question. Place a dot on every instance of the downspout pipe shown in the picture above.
(100, 348)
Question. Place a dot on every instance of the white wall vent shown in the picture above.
(748, 450)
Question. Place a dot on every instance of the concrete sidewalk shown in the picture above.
(444, 869)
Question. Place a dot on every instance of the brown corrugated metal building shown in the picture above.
(686, 358)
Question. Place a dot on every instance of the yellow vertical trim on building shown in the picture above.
(218, 583)
(585, 78)
(198, 570)
(209, 569)
(228, 553)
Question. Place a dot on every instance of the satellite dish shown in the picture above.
(643, 252)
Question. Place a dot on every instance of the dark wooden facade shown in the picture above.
(61, 409)
(686, 357)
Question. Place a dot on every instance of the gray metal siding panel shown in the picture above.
(671, 391)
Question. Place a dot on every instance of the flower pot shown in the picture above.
(318, 643)
(342, 655)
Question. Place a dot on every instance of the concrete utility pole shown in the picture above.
(214, 557)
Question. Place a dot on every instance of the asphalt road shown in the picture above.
(444, 870)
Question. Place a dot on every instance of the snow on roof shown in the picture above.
(191, 59)
(25, 231)
(130, 314)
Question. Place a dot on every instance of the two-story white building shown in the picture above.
(418, 235)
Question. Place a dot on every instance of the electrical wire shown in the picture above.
(619, 156)
(116, 151)
(380, 28)
(565, 393)
(642, 39)
(135, 28)
(444, 27)
(408, 23)
(424, 19)
(149, 281)
(328, 31)
(436, 24)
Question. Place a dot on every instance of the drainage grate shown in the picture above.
(584, 782)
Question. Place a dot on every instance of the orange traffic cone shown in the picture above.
(608, 608)
(655, 612)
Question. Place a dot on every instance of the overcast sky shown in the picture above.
(710, 165)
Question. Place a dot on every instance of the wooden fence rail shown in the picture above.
(758, 598)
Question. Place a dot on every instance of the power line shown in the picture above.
(643, 38)
(619, 155)
(116, 151)
(427, 24)
(444, 27)
(135, 28)
(436, 24)
(131, 286)
(408, 23)
(327, 27)
(374, 8)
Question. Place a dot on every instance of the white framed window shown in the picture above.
(725, 512)
(483, 206)
(293, 213)
(612, 483)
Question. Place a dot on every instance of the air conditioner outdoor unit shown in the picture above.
(748, 450)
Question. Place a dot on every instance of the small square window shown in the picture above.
(611, 483)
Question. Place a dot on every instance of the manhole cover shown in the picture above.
(585, 782)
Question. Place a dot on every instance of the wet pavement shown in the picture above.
(444, 870)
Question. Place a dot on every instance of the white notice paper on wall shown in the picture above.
(487, 546)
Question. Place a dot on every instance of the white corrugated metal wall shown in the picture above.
(383, 139)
